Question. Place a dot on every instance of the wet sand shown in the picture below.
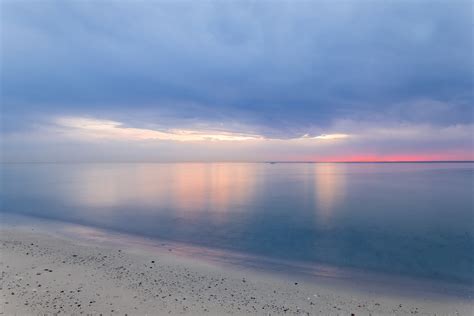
(43, 273)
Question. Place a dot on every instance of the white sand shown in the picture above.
(47, 274)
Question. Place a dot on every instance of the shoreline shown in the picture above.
(330, 275)
(139, 280)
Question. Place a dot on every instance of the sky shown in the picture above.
(236, 80)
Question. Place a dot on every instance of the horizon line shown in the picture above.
(237, 161)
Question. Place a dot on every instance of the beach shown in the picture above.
(236, 157)
(47, 273)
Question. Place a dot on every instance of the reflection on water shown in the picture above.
(214, 188)
(188, 190)
(95, 190)
(412, 219)
(329, 189)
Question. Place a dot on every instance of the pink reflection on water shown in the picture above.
(189, 190)
(211, 189)
(330, 186)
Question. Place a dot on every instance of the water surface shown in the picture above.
(402, 219)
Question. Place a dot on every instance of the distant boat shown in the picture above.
(272, 162)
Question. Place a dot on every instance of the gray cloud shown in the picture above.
(281, 69)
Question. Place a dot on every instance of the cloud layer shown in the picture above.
(273, 71)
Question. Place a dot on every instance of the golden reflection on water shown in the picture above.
(211, 188)
(187, 189)
(330, 186)
(192, 190)
(187, 185)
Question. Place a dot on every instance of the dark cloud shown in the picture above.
(282, 67)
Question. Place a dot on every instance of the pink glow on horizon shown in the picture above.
(469, 156)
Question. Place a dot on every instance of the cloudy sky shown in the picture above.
(236, 80)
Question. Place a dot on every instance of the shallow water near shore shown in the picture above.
(407, 220)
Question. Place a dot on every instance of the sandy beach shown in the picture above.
(239, 157)
(43, 273)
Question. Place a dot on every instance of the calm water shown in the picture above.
(409, 219)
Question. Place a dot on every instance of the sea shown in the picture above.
(406, 220)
